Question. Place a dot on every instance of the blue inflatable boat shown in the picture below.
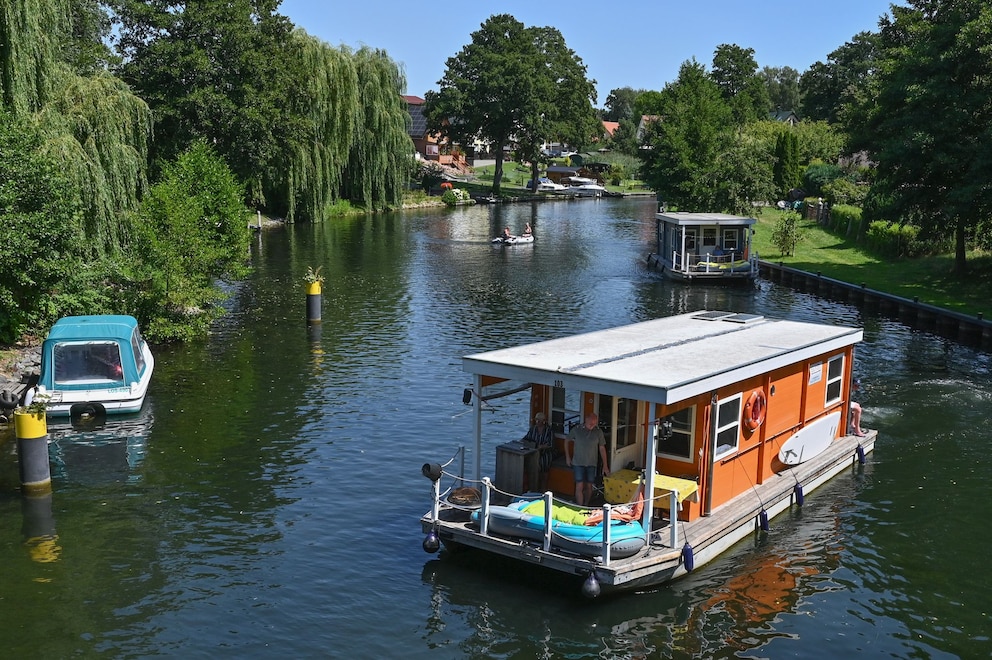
(525, 519)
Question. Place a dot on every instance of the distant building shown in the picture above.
(428, 145)
(785, 116)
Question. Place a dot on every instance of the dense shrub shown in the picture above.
(430, 173)
(844, 191)
(889, 239)
(454, 195)
(818, 175)
(845, 220)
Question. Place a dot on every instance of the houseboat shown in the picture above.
(721, 419)
(94, 365)
(705, 247)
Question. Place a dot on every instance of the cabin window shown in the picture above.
(835, 377)
(709, 236)
(729, 239)
(619, 419)
(87, 362)
(690, 240)
(565, 413)
(679, 444)
(728, 422)
(139, 356)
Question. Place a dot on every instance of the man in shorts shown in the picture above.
(580, 454)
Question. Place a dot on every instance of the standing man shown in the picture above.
(580, 454)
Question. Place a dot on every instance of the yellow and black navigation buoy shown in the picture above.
(314, 281)
(313, 302)
(31, 429)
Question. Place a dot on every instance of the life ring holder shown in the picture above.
(755, 409)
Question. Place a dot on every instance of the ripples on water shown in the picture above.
(274, 506)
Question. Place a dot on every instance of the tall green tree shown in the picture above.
(620, 104)
(930, 124)
(736, 74)
(90, 123)
(210, 70)
(788, 173)
(685, 144)
(380, 161)
(317, 131)
(41, 238)
(782, 85)
(513, 82)
(826, 88)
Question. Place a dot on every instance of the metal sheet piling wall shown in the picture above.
(970, 330)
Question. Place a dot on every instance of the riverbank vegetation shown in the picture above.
(138, 140)
(832, 251)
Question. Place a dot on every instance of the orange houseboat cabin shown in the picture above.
(737, 414)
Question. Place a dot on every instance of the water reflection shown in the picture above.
(112, 451)
(273, 502)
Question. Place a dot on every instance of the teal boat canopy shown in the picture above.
(81, 352)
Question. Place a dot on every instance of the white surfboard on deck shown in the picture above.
(810, 440)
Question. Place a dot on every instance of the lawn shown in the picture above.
(928, 278)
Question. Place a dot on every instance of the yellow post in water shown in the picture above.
(31, 429)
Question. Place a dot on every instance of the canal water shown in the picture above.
(266, 502)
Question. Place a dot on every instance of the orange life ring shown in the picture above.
(754, 409)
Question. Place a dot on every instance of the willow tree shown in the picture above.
(381, 152)
(318, 129)
(91, 125)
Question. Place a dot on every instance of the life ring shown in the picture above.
(754, 409)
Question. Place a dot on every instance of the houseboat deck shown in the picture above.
(661, 560)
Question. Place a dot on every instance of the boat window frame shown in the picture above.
(709, 236)
(835, 381)
(680, 427)
(139, 356)
(562, 415)
(84, 365)
(690, 237)
(731, 429)
(730, 239)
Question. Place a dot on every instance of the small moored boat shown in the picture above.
(95, 364)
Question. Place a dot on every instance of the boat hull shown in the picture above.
(661, 561)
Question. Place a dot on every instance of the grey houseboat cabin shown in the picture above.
(705, 247)
(713, 422)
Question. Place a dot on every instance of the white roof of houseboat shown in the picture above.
(665, 360)
(677, 218)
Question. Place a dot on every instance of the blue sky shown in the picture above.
(622, 43)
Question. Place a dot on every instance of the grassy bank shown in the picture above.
(928, 278)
